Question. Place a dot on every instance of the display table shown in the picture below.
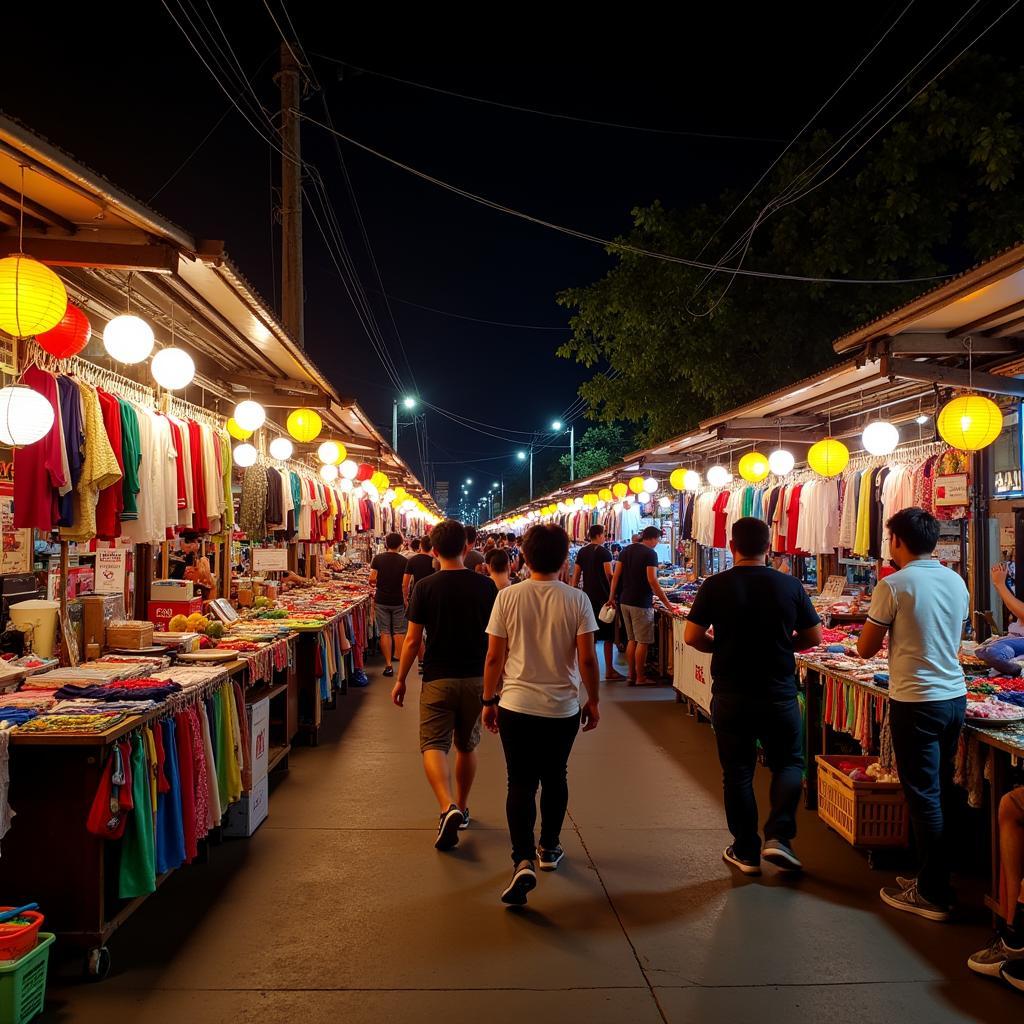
(691, 678)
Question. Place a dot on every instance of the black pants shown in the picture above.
(536, 752)
(924, 738)
(740, 721)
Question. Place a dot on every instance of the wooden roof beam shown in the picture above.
(953, 344)
(37, 210)
(908, 369)
(65, 252)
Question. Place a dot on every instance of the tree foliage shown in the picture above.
(935, 191)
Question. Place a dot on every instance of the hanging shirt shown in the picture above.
(38, 467)
(110, 503)
(73, 427)
(131, 459)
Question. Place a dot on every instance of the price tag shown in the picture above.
(270, 559)
(833, 589)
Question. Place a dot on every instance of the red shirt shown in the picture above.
(38, 467)
(200, 521)
(720, 503)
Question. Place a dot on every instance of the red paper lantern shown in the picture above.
(69, 337)
(364, 472)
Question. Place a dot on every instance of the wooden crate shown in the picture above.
(131, 635)
(868, 814)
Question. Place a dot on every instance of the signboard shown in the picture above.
(111, 570)
(948, 552)
(16, 555)
(951, 490)
(691, 669)
(269, 559)
(833, 589)
(440, 493)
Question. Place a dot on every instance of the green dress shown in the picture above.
(137, 874)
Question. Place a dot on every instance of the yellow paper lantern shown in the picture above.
(636, 484)
(970, 422)
(304, 425)
(677, 478)
(753, 467)
(236, 431)
(620, 490)
(380, 481)
(605, 494)
(401, 492)
(828, 457)
(32, 297)
(590, 500)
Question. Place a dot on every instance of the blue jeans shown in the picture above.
(1000, 655)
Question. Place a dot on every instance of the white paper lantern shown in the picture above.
(719, 476)
(369, 489)
(281, 448)
(561, 507)
(389, 496)
(664, 502)
(643, 497)
(128, 338)
(781, 462)
(650, 485)
(329, 453)
(173, 368)
(880, 437)
(578, 502)
(245, 455)
(348, 469)
(25, 416)
(250, 415)
(345, 485)
(328, 473)
(691, 480)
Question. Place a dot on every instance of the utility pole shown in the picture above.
(572, 453)
(291, 198)
(394, 425)
(531, 472)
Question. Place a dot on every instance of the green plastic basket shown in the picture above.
(23, 983)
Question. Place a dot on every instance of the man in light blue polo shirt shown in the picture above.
(923, 608)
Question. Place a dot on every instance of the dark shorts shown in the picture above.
(450, 709)
(390, 618)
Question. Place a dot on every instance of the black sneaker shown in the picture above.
(748, 867)
(524, 881)
(1013, 974)
(389, 671)
(548, 860)
(994, 957)
(911, 901)
(448, 829)
(464, 824)
(776, 852)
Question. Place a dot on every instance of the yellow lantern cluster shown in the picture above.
(605, 494)
(677, 478)
(753, 467)
(304, 425)
(828, 457)
(380, 481)
(32, 297)
(590, 500)
(636, 484)
(236, 431)
(970, 422)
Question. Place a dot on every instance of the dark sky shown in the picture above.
(128, 96)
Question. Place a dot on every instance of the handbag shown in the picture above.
(607, 614)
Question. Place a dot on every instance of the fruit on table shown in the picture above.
(215, 630)
(261, 602)
(197, 623)
(178, 624)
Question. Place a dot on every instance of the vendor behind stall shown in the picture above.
(188, 564)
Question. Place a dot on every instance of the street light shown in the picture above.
(557, 425)
(469, 480)
(521, 456)
(409, 403)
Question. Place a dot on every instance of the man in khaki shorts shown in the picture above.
(453, 606)
(636, 582)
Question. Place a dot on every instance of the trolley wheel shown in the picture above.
(97, 963)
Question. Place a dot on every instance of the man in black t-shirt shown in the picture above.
(418, 567)
(386, 572)
(594, 565)
(760, 616)
(452, 607)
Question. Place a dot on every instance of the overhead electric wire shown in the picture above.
(545, 113)
(605, 242)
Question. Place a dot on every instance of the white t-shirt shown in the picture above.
(540, 620)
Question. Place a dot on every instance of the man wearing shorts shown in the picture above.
(636, 582)
(453, 606)
(594, 565)
(386, 572)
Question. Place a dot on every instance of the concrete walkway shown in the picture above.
(339, 909)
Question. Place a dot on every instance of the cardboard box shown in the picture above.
(172, 590)
(244, 817)
(259, 739)
(161, 612)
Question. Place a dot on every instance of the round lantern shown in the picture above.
(380, 481)
(25, 416)
(970, 422)
(880, 437)
(304, 425)
(348, 470)
(346, 485)
(691, 480)
(590, 500)
(719, 476)
(605, 494)
(371, 491)
(250, 415)
(281, 448)
(245, 455)
(69, 337)
(620, 490)
(328, 473)
(577, 502)
(329, 453)
(644, 498)
(636, 484)
(128, 338)
(388, 496)
(677, 478)
(364, 472)
(650, 485)
(32, 297)
(781, 462)
(664, 502)
(236, 431)
(828, 457)
(173, 368)
(560, 508)
(753, 467)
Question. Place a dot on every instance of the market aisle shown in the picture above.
(339, 908)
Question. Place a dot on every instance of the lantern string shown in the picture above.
(21, 213)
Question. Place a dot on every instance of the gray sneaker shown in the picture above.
(990, 960)
(781, 854)
(911, 901)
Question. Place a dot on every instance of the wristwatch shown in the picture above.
(490, 702)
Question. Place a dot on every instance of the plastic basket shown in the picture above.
(868, 814)
(17, 940)
(23, 983)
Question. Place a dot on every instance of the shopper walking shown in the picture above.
(635, 583)
(386, 572)
(452, 606)
(760, 617)
(498, 568)
(923, 608)
(474, 558)
(594, 566)
(541, 640)
(418, 567)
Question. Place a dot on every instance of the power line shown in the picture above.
(546, 113)
(608, 243)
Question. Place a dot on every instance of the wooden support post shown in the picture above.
(165, 560)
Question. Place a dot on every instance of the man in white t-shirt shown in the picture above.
(541, 638)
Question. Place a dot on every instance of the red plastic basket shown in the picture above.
(18, 939)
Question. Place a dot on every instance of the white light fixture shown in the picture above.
(329, 453)
(880, 437)
(691, 480)
(718, 476)
(245, 455)
(921, 420)
(348, 469)
(281, 448)
(173, 368)
(328, 473)
(25, 416)
(345, 485)
(368, 488)
(561, 507)
(250, 415)
(650, 485)
(128, 338)
(577, 502)
(643, 497)
(781, 462)
(664, 502)
(389, 496)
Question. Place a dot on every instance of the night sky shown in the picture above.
(123, 91)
